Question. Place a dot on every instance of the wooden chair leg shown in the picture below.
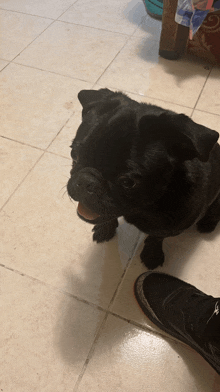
(173, 39)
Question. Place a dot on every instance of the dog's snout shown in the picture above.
(83, 183)
(90, 188)
(85, 186)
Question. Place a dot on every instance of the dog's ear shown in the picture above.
(202, 138)
(183, 138)
(86, 97)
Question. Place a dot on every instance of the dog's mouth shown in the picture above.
(86, 213)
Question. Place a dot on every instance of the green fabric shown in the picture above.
(154, 6)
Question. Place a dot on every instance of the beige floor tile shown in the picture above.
(191, 256)
(36, 104)
(132, 360)
(18, 31)
(15, 162)
(3, 64)
(148, 74)
(42, 236)
(120, 17)
(45, 336)
(210, 97)
(46, 8)
(163, 104)
(149, 27)
(77, 51)
(207, 119)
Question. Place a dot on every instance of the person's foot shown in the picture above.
(183, 312)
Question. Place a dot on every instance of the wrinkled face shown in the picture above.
(126, 154)
(107, 178)
(100, 151)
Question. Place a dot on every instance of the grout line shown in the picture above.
(96, 82)
(54, 288)
(96, 28)
(35, 147)
(72, 23)
(66, 10)
(60, 130)
(25, 13)
(139, 25)
(71, 295)
(49, 25)
(124, 272)
(68, 294)
(205, 111)
(97, 307)
(18, 186)
(59, 155)
(136, 246)
(202, 91)
(129, 37)
(90, 354)
(93, 84)
(135, 324)
(118, 286)
(108, 312)
(48, 71)
(99, 332)
(113, 59)
(74, 2)
(23, 143)
(30, 43)
(38, 16)
(5, 65)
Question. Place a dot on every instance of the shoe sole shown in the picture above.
(148, 311)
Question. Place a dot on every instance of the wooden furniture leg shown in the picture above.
(174, 37)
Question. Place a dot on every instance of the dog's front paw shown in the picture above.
(152, 255)
(105, 231)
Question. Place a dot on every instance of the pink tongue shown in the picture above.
(86, 213)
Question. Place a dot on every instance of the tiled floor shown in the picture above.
(69, 321)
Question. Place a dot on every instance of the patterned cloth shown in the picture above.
(191, 13)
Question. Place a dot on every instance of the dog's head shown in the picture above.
(125, 154)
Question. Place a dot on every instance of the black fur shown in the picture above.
(158, 169)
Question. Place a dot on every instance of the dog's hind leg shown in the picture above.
(105, 231)
(210, 220)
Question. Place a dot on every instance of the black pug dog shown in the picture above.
(158, 169)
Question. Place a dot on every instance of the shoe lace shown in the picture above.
(196, 307)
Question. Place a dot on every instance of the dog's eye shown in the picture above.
(127, 182)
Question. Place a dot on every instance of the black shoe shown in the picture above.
(183, 312)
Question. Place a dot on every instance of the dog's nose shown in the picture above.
(84, 182)
(89, 188)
